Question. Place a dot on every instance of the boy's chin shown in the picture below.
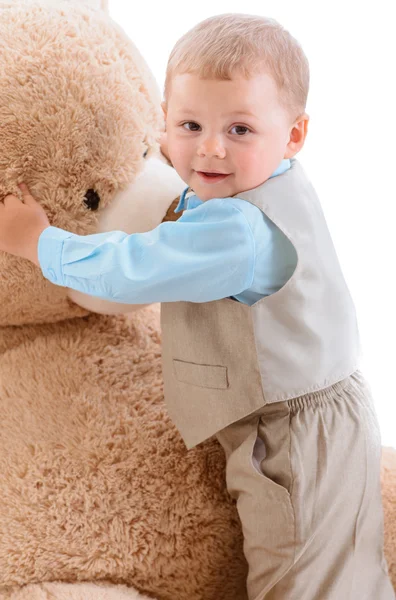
(208, 191)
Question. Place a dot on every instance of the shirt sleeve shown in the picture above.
(208, 254)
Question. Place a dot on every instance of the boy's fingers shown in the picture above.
(27, 197)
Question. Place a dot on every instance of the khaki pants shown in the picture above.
(306, 477)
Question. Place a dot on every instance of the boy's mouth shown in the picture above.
(211, 176)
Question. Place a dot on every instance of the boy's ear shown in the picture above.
(298, 133)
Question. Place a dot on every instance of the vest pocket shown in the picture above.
(204, 376)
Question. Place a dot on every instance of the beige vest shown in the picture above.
(223, 360)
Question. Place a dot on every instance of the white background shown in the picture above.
(350, 150)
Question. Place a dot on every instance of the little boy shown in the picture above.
(260, 343)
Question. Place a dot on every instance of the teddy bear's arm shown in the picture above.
(170, 213)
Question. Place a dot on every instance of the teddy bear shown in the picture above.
(98, 494)
(99, 498)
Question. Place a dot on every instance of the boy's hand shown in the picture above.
(21, 224)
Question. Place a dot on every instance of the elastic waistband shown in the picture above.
(322, 396)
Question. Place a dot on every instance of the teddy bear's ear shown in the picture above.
(98, 4)
(101, 4)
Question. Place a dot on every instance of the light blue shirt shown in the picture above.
(224, 247)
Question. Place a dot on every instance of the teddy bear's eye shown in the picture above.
(92, 200)
(145, 153)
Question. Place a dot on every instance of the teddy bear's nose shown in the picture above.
(91, 200)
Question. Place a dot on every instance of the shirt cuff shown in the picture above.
(50, 247)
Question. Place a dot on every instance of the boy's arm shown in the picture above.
(206, 255)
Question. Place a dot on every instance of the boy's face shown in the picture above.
(225, 137)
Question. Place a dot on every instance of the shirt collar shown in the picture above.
(284, 166)
(189, 200)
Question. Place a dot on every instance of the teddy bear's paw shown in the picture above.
(73, 591)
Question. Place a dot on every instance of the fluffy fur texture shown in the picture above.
(77, 591)
(97, 490)
(388, 477)
(95, 482)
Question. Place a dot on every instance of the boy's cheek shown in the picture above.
(252, 169)
(180, 154)
(247, 162)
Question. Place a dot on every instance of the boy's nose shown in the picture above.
(211, 146)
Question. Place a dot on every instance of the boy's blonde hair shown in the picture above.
(229, 44)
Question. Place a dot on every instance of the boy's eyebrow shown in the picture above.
(184, 111)
(238, 113)
(242, 113)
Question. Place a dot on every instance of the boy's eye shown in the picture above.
(240, 129)
(191, 126)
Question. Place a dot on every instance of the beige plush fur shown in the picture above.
(95, 483)
(388, 477)
(77, 591)
(98, 496)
